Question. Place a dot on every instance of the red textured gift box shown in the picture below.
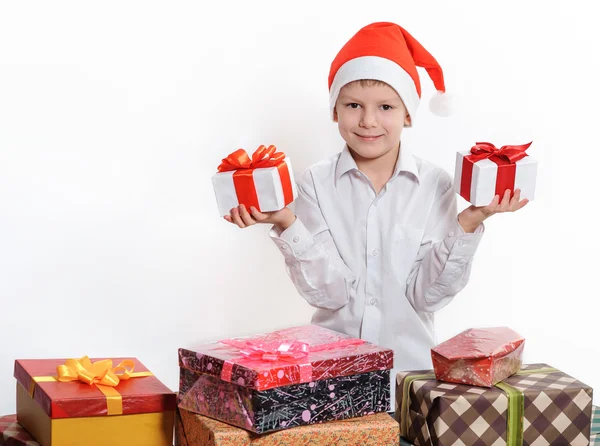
(479, 357)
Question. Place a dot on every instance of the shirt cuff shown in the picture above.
(460, 243)
(293, 241)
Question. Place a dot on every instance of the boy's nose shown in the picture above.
(368, 120)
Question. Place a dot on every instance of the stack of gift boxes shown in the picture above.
(292, 380)
(308, 384)
(305, 385)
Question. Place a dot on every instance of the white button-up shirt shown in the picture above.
(377, 266)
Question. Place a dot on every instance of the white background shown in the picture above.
(114, 115)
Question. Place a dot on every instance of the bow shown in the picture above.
(99, 372)
(510, 154)
(262, 157)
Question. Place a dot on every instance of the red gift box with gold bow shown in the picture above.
(264, 181)
(486, 171)
(82, 401)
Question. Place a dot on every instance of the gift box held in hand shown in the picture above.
(372, 430)
(485, 171)
(76, 402)
(479, 357)
(538, 405)
(287, 378)
(265, 181)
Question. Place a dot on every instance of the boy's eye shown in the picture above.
(352, 105)
(386, 107)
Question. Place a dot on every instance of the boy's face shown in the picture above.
(370, 118)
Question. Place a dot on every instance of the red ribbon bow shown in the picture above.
(510, 154)
(270, 352)
(262, 157)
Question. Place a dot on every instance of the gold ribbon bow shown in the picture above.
(100, 373)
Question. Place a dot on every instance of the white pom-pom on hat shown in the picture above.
(440, 104)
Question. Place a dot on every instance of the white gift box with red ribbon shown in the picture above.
(485, 171)
(265, 181)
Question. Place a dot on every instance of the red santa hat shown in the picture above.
(386, 52)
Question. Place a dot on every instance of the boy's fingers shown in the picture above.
(522, 204)
(235, 216)
(228, 218)
(493, 206)
(514, 201)
(258, 216)
(505, 201)
(246, 218)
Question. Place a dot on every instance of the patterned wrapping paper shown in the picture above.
(77, 399)
(285, 407)
(326, 354)
(13, 434)
(372, 430)
(556, 410)
(479, 357)
(594, 437)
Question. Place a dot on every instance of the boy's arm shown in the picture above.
(445, 256)
(311, 257)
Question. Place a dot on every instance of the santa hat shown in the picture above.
(387, 52)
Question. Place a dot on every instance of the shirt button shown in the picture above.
(357, 174)
(375, 252)
(283, 247)
(461, 243)
(372, 301)
(295, 239)
(451, 234)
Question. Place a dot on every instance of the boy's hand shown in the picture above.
(240, 216)
(473, 216)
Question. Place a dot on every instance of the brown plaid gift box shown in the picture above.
(13, 434)
(539, 406)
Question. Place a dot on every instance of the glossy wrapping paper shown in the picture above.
(479, 357)
(77, 399)
(287, 378)
(328, 355)
(289, 406)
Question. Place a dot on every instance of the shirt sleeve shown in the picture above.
(445, 256)
(311, 257)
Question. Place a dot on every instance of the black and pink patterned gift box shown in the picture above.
(292, 377)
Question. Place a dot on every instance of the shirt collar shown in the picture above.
(406, 163)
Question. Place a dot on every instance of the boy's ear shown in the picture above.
(407, 121)
(335, 115)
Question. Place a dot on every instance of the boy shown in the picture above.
(375, 243)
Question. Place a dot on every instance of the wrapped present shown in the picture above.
(538, 405)
(595, 429)
(485, 171)
(13, 434)
(74, 402)
(287, 378)
(372, 430)
(479, 357)
(265, 181)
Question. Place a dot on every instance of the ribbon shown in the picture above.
(100, 373)
(516, 404)
(505, 157)
(259, 352)
(243, 178)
